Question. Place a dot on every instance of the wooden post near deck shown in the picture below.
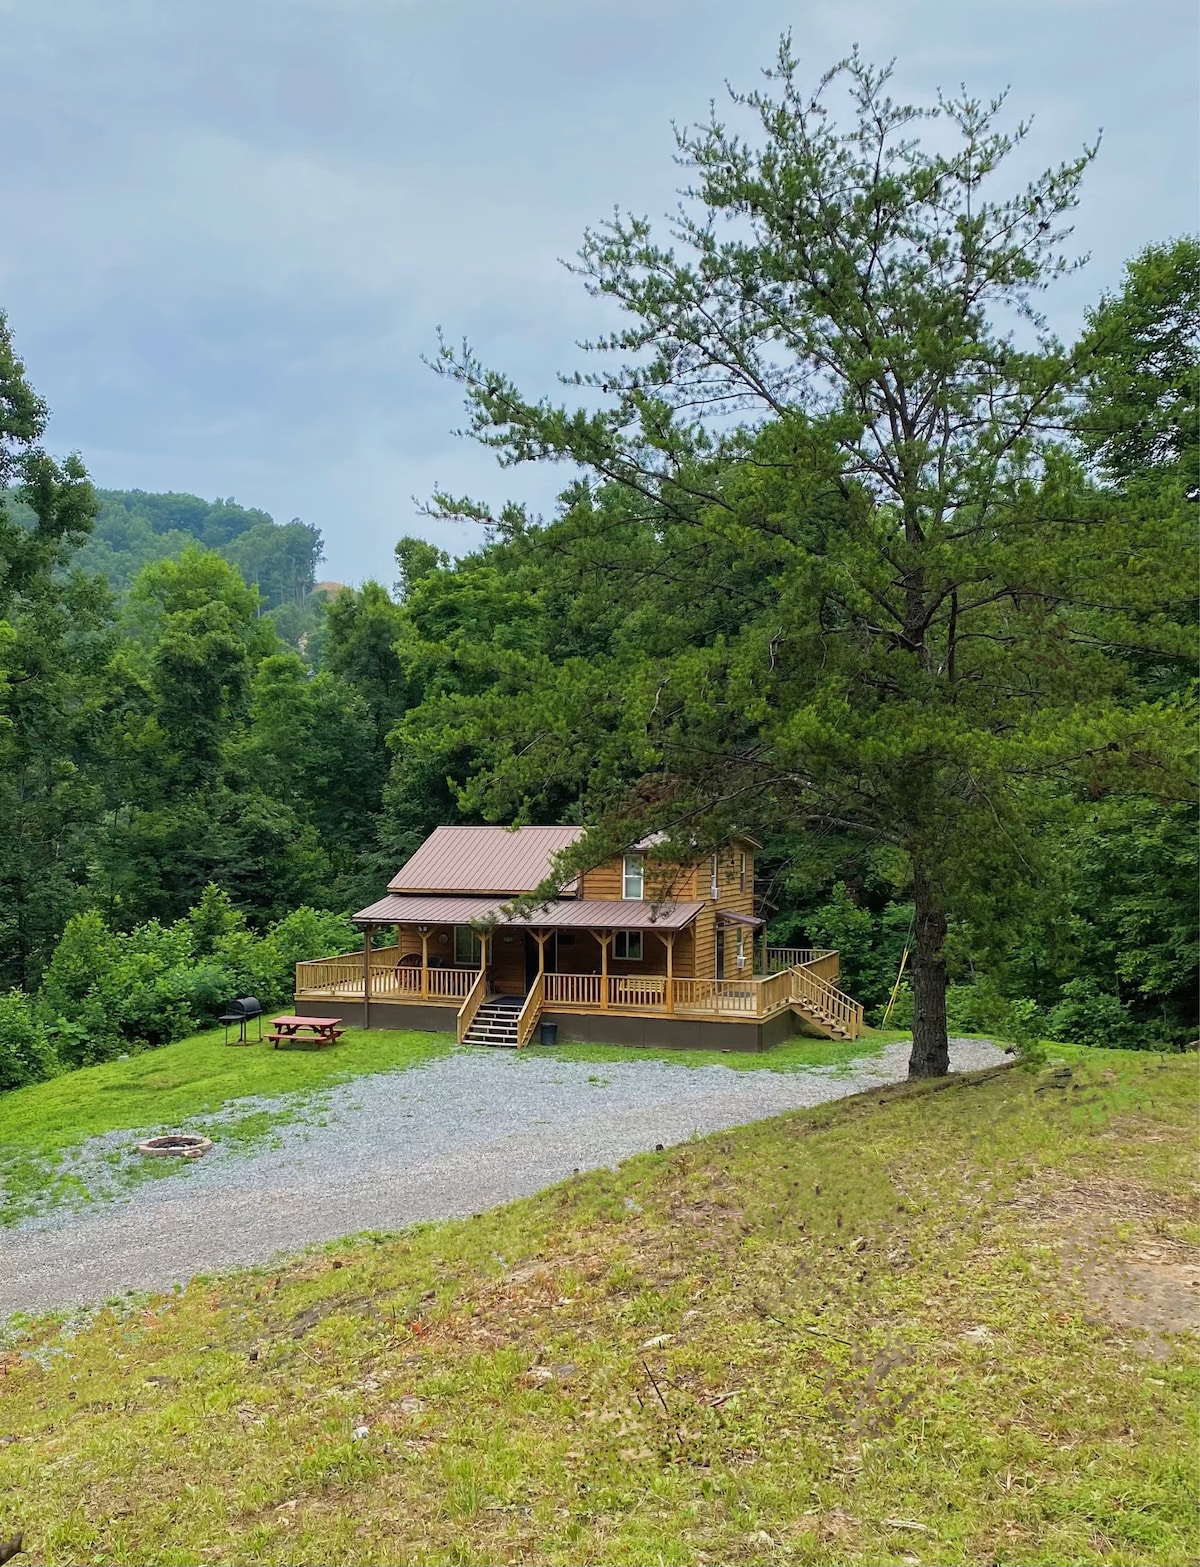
(424, 965)
(603, 937)
(368, 931)
(542, 937)
(669, 939)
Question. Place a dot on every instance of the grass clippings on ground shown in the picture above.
(857, 1334)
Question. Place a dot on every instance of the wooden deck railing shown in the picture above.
(637, 990)
(527, 1018)
(741, 996)
(823, 963)
(342, 978)
(475, 999)
(573, 990)
(808, 988)
(805, 984)
(330, 976)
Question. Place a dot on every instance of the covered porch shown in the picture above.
(591, 973)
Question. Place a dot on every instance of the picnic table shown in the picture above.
(314, 1031)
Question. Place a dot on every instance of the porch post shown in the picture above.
(424, 965)
(603, 937)
(367, 933)
(541, 940)
(669, 938)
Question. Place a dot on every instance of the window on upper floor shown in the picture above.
(627, 945)
(634, 881)
(714, 886)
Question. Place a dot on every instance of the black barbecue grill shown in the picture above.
(241, 1012)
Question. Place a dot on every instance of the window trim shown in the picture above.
(638, 873)
(631, 936)
(742, 871)
(475, 948)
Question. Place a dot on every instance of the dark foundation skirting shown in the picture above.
(670, 1033)
(599, 1028)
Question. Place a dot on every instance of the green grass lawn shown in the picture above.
(929, 1324)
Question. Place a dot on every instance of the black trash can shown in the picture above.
(548, 1034)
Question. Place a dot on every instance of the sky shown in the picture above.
(232, 228)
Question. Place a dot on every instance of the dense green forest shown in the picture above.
(918, 611)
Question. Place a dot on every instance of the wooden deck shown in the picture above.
(802, 981)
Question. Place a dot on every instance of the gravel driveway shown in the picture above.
(438, 1141)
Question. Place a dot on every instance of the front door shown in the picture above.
(531, 959)
(721, 952)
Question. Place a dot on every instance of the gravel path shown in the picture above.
(438, 1141)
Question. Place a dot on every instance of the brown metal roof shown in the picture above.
(728, 917)
(394, 910)
(483, 860)
(563, 913)
(610, 914)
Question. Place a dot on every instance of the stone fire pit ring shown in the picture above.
(179, 1145)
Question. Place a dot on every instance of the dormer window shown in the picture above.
(635, 877)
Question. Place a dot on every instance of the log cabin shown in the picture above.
(637, 950)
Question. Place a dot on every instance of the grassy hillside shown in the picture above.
(933, 1324)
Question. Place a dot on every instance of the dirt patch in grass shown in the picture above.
(845, 1336)
(1131, 1248)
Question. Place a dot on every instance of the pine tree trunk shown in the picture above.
(931, 1048)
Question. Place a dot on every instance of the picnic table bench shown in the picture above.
(314, 1031)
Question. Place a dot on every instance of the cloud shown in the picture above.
(232, 229)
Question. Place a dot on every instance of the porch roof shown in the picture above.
(396, 909)
(562, 914)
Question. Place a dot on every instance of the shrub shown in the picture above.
(1087, 1015)
(85, 953)
(26, 1054)
(106, 992)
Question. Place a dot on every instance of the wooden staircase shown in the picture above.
(825, 1008)
(496, 1023)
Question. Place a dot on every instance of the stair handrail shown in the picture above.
(474, 1000)
(806, 986)
(530, 1012)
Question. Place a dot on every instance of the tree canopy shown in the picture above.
(835, 373)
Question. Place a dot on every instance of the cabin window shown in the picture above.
(741, 952)
(627, 944)
(468, 949)
(635, 877)
(714, 887)
(742, 871)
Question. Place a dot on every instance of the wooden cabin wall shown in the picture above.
(695, 948)
(607, 881)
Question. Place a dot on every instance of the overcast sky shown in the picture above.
(232, 227)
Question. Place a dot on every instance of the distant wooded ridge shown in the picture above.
(135, 528)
